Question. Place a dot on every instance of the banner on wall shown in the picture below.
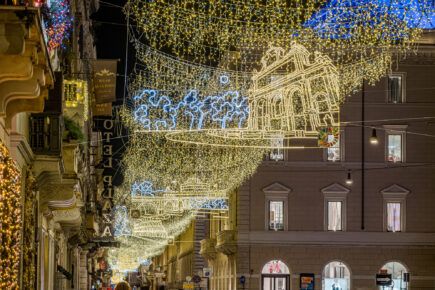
(306, 281)
(104, 78)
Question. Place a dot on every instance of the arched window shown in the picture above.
(275, 275)
(275, 267)
(397, 271)
(336, 276)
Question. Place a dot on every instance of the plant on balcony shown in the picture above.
(72, 130)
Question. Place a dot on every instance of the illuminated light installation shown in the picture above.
(75, 92)
(195, 29)
(150, 156)
(122, 226)
(10, 221)
(293, 96)
(58, 22)
(157, 112)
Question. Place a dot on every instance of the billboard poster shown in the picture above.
(306, 281)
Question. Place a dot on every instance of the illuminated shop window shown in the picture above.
(398, 274)
(336, 276)
(276, 215)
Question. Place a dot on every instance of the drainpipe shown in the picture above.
(362, 156)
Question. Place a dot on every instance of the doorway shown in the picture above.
(275, 276)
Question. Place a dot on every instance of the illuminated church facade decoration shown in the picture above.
(296, 93)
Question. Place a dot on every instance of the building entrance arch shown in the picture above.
(275, 275)
(398, 272)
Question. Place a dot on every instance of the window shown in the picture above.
(336, 276)
(335, 207)
(335, 221)
(395, 147)
(276, 215)
(395, 143)
(394, 217)
(396, 88)
(335, 146)
(394, 208)
(276, 207)
(333, 151)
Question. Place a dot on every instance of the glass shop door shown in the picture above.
(275, 282)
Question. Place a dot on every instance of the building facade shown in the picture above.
(47, 135)
(334, 218)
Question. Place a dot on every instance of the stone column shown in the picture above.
(83, 270)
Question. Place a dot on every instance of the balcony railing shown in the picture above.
(226, 242)
(208, 248)
(46, 133)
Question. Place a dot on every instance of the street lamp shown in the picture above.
(374, 138)
(349, 180)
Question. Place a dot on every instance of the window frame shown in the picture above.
(335, 193)
(276, 192)
(394, 194)
(403, 76)
(395, 130)
(341, 148)
(269, 221)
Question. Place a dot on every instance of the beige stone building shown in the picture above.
(55, 171)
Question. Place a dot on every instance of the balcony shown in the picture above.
(226, 242)
(26, 74)
(46, 133)
(208, 248)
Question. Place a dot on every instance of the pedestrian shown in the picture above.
(123, 286)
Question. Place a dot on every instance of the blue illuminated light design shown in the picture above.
(337, 16)
(144, 188)
(224, 79)
(121, 225)
(208, 204)
(223, 110)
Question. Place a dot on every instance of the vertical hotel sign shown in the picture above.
(104, 77)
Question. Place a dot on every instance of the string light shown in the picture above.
(58, 22)
(29, 243)
(10, 220)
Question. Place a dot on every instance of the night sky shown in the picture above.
(110, 37)
(110, 34)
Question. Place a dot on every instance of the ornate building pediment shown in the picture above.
(277, 187)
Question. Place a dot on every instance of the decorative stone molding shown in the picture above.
(335, 190)
(277, 188)
(394, 191)
(208, 249)
(226, 242)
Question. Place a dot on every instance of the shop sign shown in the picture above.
(306, 281)
(188, 285)
(105, 81)
(206, 272)
(107, 194)
(196, 279)
(384, 280)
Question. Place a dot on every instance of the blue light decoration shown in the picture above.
(224, 79)
(121, 225)
(224, 110)
(144, 188)
(209, 204)
(337, 18)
